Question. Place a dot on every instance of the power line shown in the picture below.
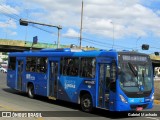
(42, 29)
(4, 10)
(8, 13)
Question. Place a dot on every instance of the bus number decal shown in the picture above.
(11, 76)
(29, 77)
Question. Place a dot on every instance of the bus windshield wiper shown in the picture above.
(134, 71)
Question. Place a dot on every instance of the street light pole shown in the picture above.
(80, 44)
(113, 35)
(58, 41)
(137, 41)
(25, 23)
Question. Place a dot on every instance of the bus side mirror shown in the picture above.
(156, 53)
(119, 71)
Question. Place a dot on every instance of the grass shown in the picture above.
(157, 90)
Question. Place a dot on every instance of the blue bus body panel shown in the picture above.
(39, 80)
(11, 79)
(70, 88)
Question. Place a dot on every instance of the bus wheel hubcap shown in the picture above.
(30, 92)
(86, 103)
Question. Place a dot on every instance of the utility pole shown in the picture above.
(26, 27)
(80, 45)
(58, 41)
(25, 23)
(113, 34)
(137, 42)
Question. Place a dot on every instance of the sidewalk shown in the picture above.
(157, 102)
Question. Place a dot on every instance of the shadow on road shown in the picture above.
(76, 112)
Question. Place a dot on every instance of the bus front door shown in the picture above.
(103, 90)
(19, 77)
(53, 80)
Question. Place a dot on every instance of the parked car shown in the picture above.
(2, 69)
(4, 64)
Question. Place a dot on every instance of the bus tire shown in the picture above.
(31, 91)
(86, 103)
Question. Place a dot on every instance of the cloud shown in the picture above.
(12, 33)
(101, 17)
(71, 33)
(6, 9)
(129, 17)
(8, 24)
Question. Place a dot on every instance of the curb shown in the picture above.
(156, 101)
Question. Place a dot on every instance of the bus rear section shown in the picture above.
(11, 74)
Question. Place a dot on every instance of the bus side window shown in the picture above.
(73, 67)
(107, 77)
(113, 76)
(68, 66)
(88, 67)
(41, 64)
(31, 64)
(12, 63)
(61, 66)
(65, 66)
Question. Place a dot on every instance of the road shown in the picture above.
(11, 100)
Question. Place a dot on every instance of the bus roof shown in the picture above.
(72, 52)
(131, 52)
(65, 52)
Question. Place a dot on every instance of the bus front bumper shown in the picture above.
(133, 107)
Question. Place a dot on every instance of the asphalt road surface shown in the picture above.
(12, 100)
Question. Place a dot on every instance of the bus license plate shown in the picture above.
(139, 108)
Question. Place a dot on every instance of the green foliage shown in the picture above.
(4, 59)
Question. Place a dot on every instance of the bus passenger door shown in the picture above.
(53, 79)
(103, 86)
(19, 77)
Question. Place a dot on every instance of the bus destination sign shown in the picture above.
(134, 58)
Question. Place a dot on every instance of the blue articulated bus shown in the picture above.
(116, 81)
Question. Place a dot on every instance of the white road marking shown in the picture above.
(153, 118)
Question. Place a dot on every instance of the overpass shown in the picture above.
(155, 60)
(20, 45)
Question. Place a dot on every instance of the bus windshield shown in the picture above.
(135, 76)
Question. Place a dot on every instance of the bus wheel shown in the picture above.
(86, 103)
(31, 91)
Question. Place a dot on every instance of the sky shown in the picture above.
(107, 24)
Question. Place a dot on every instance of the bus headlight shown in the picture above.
(122, 99)
(152, 98)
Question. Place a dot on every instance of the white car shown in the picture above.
(2, 69)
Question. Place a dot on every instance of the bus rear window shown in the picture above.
(12, 63)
